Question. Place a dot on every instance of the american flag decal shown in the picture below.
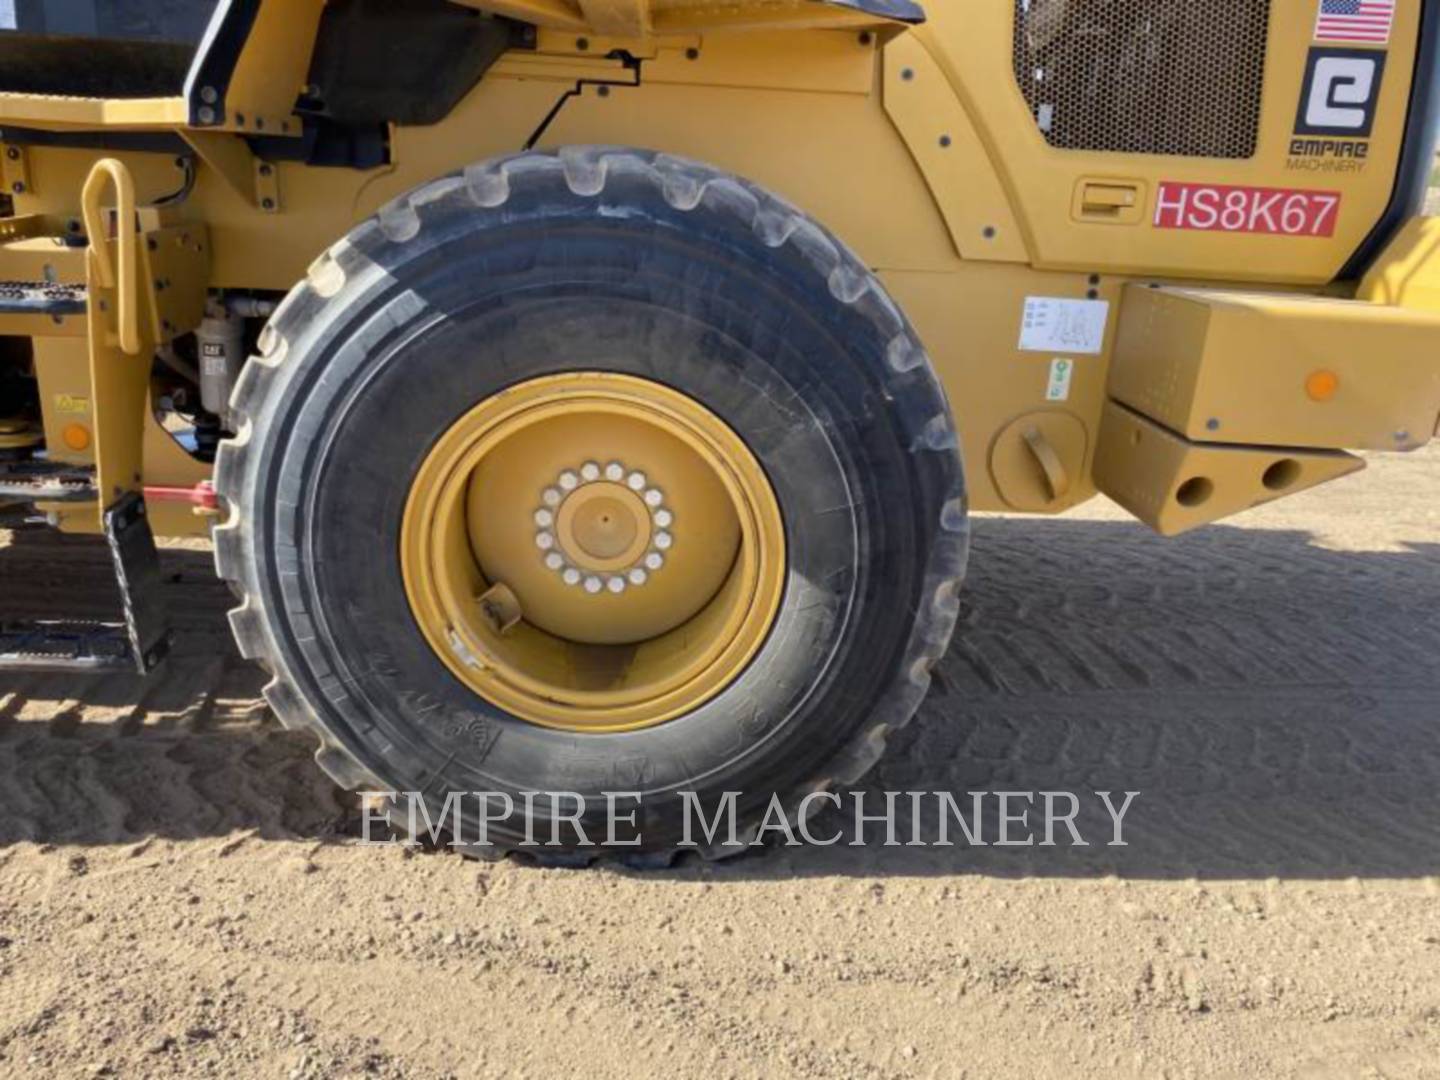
(1368, 21)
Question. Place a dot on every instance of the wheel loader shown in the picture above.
(589, 396)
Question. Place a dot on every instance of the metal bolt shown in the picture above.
(544, 541)
(663, 518)
(653, 497)
(571, 576)
(654, 561)
(13, 153)
(590, 472)
(1212, 424)
(945, 142)
(544, 518)
(616, 585)
(206, 114)
(593, 585)
(267, 204)
(18, 188)
(550, 497)
(638, 576)
(908, 74)
(663, 540)
(615, 471)
(569, 481)
(636, 481)
(209, 95)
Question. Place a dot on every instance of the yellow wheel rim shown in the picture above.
(593, 552)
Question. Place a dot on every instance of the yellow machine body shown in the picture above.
(1133, 321)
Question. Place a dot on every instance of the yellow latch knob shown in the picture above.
(1112, 197)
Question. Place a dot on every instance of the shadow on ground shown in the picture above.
(1275, 704)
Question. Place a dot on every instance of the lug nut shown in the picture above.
(615, 472)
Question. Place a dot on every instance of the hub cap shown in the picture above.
(593, 552)
(603, 529)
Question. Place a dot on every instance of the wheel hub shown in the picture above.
(539, 531)
(603, 529)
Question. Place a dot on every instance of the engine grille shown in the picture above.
(1144, 76)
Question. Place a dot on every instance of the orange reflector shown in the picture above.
(1322, 385)
(76, 436)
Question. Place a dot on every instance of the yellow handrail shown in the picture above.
(127, 295)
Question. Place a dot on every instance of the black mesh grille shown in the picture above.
(1144, 76)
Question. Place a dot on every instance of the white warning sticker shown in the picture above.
(1054, 324)
(1062, 372)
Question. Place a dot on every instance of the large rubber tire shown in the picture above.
(605, 259)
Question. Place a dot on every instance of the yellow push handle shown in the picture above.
(1056, 478)
(122, 278)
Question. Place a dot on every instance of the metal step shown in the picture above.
(138, 644)
(41, 298)
(65, 645)
(45, 481)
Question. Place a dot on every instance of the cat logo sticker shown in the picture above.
(1340, 92)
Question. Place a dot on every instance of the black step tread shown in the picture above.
(41, 298)
(44, 481)
(64, 645)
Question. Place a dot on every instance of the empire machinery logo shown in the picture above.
(1336, 116)
(567, 819)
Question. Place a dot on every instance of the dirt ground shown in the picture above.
(181, 892)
